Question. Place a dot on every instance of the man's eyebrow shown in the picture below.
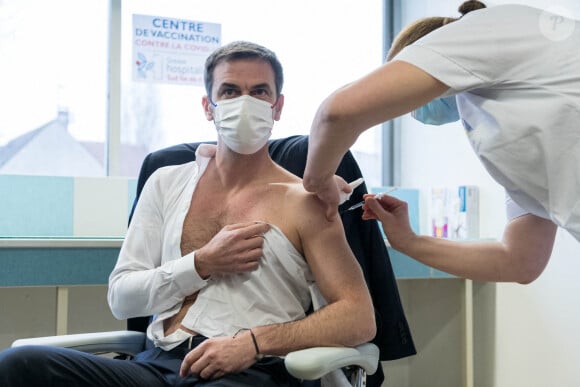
(264, 85)
(226, 85)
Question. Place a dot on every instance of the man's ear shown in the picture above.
(207, 107)
(277, 108)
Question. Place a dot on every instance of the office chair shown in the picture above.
(393, 339)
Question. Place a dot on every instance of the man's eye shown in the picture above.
(230, 93)
(260, 93)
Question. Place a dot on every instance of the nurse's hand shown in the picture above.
(328, 191)
(394, 216)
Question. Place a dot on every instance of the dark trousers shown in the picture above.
(51, 366)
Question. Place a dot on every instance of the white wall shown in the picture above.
(536, 326)
(32, 312)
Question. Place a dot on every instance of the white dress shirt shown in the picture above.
(152, 278)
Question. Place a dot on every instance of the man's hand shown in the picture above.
(393, 214)
(236, 248)
(219, 356)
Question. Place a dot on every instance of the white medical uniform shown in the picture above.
(516, 73)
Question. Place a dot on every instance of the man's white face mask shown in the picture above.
(244, 123)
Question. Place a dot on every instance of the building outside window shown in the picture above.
(53, 77)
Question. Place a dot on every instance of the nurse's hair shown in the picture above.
(422, 27)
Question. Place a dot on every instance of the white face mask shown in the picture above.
(244, 123)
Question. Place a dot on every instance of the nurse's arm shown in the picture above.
(520, 256)
(529, 240)
(392, 90)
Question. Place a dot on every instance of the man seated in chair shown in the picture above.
(222, 251)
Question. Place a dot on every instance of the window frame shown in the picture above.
(390, 130)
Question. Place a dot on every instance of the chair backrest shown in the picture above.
(364, 237)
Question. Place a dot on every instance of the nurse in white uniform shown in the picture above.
(511, 74)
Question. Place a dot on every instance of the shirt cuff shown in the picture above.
(186, 277)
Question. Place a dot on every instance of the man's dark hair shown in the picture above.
(242, 50)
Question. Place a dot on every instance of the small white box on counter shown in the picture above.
(454, 212)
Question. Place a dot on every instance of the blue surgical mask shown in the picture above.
(437, 112)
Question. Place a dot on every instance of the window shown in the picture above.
(321, 44)
(53, 74)
(56, 67)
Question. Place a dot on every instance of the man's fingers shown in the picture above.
(251, 243)
(189, 360)
(209, 372)
(236, 226)
(251, 256)
(251, 229)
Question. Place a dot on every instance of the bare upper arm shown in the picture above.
(408, 85)
(530, 239)
(390, 91)
(333, 264)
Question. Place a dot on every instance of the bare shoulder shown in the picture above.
(307, 211)
(300, 213)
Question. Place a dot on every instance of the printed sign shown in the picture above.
(172, 50)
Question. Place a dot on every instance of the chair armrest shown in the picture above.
(313, 363)
(125, 342)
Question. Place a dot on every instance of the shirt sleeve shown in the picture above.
(513, 210)
(142, 284)
(469, 53)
